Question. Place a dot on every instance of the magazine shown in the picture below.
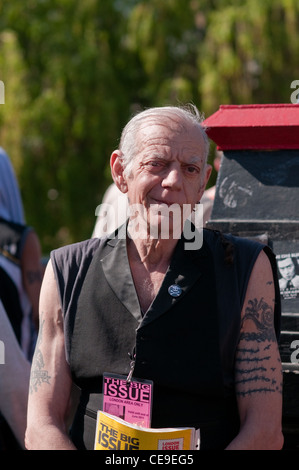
(131, 401)
(113, 433)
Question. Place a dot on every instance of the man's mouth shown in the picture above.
(162, 202)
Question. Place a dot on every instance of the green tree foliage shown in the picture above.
(217, 51)
(78, 81)
(75, 71)
(250, 52)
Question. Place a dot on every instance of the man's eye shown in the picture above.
(192, 169)
(154, 164)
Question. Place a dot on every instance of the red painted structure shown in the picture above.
(255, 127)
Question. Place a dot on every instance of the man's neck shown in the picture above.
(152, 253)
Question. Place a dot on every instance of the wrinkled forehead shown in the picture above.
(171, 121)
(169, 128)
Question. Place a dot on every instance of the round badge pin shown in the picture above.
(174, 290)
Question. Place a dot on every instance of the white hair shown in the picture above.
(188, 115)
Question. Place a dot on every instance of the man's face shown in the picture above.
(169, 168)
(286, 268)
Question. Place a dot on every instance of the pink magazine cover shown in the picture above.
(130, 401)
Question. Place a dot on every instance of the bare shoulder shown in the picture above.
(49, 289)
(262, 271)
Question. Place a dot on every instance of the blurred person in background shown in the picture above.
(14, 383)
(21, 271)
(208, 196)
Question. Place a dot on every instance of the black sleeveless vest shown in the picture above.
(186, 345)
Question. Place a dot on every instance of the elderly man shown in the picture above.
(198, 315)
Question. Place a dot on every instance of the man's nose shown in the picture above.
(173, 179)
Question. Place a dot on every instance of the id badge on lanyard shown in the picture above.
(128, 398)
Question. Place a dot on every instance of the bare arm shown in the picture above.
(258, 373)
(50, 381)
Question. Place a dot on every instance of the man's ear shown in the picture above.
(117, 171)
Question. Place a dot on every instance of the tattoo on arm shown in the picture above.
(262, 315)
(255, 371)
(38, 373)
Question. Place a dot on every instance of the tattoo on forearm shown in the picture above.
(38, 373)
(254, 371)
